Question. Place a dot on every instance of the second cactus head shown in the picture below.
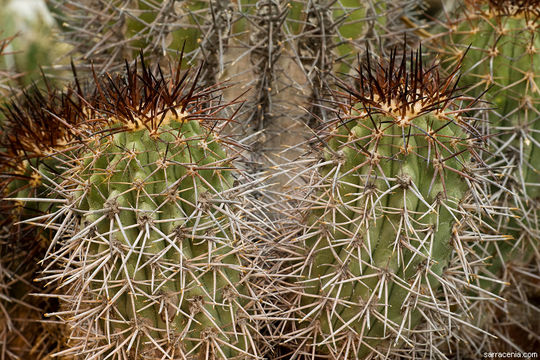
(388, 214)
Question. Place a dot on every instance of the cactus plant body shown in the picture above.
(501, 40)
(150, 230)
(126, 194)
(388, 209)
(503, 55)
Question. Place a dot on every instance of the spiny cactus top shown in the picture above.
(396, 196)
(150, 249)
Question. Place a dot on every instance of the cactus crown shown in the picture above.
(404, 94)
(41, 122)
(147, 100)
(402, 91)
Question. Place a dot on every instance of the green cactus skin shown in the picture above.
(385, 216)
(504, 57)
(169, 219)
(353, 14)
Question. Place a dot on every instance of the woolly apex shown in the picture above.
(44, 121)
(40, 122)
(142, 98)
(403, 91)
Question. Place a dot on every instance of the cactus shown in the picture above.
(115, 30)
(150, 244)
(390, 239)
(398, 191)
(503, 59)
(32, 134)
(502, 44)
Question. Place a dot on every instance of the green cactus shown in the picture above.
(503, 47)
(387, 214)
(502, 44)
(150, 224)
(38, 126)
(394, 238)
(158, 213)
